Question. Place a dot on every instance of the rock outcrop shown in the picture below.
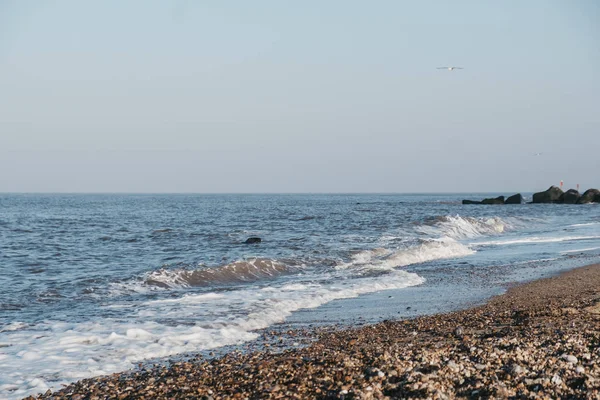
(571, 196)
(252, 240)
(497, 200)
(589, 196)
(514, 199)
(552, 195)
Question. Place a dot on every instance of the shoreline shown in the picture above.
(538, 339)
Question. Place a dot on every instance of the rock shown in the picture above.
(589, 196)
(517, 369)
(569, 358)
(453, 366)
(514, 199)
(570, 197)
(552, 195)
(556, 379)
(497, 200)
(253, 240)
(458, 332)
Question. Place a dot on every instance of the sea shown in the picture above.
(92, 284)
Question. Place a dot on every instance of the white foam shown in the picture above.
(586, 224)
(14, 326)
(428, 250)
(207, 297)
(458, 228)
(580, 250)
(534, 240)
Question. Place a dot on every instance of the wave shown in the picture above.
(580, 250)
(534, 240)
(81, 350)
(427, 250)
(586, 224)
(459, 228)
(251, 270)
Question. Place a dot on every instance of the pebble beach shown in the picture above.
(538, 340)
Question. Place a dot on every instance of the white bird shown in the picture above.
(450, 68)
(538, 154)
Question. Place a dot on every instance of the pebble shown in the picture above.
(570, 358)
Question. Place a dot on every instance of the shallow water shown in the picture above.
(93, 284)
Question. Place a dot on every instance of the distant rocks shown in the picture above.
(589, 196)
(515, 199)
(571, 196)
(252, 240)
(490, 201)
(496, 200)
(552, 195)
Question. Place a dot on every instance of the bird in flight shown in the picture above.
(450, 68)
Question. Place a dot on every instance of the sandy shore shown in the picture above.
(539, 340)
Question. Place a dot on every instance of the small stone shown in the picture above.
(569, 358)
(517, 369)
(479, 367)
(459, 331)
(556, 379)
(580, 369)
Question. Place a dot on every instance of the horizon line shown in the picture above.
(260, 193)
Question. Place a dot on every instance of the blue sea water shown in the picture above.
(94, 284)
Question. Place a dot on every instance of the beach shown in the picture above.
(538, 340)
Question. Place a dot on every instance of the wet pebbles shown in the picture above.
(539, 341)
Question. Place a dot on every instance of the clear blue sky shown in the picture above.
(305, 96)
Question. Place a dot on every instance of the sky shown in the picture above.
(305, 96)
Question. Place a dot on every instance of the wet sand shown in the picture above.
(539, 340)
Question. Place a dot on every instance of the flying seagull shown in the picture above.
(450, 68)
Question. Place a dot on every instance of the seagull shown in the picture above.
(450, 68)
(538, 154)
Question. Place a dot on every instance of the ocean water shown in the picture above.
(95, 284)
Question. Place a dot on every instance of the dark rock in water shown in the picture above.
(497, 200)
(253, 240)
(570, 197)
(552, 195)
(514, 199)
(589, 196)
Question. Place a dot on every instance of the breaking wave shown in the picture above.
(251, 270)
(427, 250)
(459, 228)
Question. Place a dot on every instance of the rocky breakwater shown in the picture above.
(553, 195)
(571, 196)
